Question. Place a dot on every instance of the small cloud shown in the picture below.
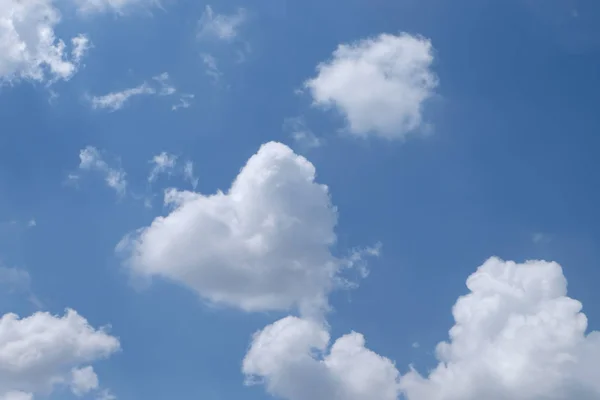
(300, 133)
(212, 69)
(92, 160)
(220, 26)
(163, 163)
(116, 100)
(106, 395)
(166, 89)
(541, 238)
(188, 174)
(32, 223)
(83, 380)
(416, 345)
(16, 280)
(184, 102)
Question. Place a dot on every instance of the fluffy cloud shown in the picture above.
(289, 356)
(220, 26)
(517, 336)
(29, 48)
(263, 245)
(379, 85)
(91, 160)
(43, 351)
(83, 380)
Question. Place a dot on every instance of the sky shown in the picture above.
(316, 200)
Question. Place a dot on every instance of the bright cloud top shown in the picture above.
(517, 336)
(160, 86)
(41, 352)
(284, 356)
(29, 48)
(379, 85)
(263, 245)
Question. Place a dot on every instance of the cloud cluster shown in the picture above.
(263, 245)
(380, 85)
(29, 48)
(42, 352)
(517, 336)
(220, 26)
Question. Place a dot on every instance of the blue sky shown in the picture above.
(469, 131)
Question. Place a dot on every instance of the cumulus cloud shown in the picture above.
(160, 86)
(42, 351)
(29, 48)
(262, 245)
(91, 160)
(380, 85)
(220, 26)
(292, 358)
(83, 380)
(517, 336)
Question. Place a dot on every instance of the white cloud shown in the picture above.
(83, 380)
(300, 133)
(162, 163)
(185, 101)
(220, 26)
(92, 160)
(38, 353)
(211, 69)
(188, 174)
(106, 395)
(160, 86)
(263, 245)
(379, 85)
(29, 48)
(517, 336)
(116, 100)
(291, 358)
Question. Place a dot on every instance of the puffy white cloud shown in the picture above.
(83, 380)
(41, 352)
(291, 358)
(517, 336)
(220, 26)
(263, 245)
(92, 160)
(379, 84)
(29, 48)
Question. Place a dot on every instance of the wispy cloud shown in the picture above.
(162, 163)
(220, 26)
(212, 69)
(159, 85)
(92, 160)
(301, 134)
